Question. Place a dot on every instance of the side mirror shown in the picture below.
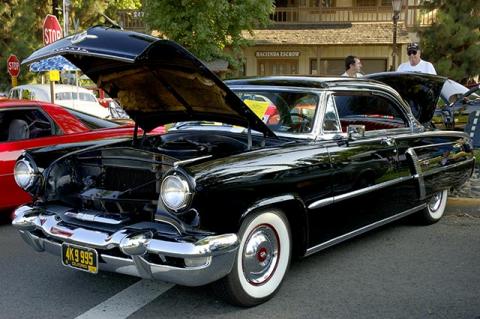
(355, 130)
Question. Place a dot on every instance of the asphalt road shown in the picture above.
(398, 271)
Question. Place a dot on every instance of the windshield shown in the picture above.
(286, 111)
(91, 121)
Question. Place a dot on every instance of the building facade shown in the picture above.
(313, 37)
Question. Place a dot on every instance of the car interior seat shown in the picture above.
(18, 130)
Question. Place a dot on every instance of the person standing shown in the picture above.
(415, 63)
(353, 67)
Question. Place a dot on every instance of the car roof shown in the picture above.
(58, 88)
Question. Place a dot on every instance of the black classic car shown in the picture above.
(224, 197)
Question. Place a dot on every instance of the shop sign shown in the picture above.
(277, 54)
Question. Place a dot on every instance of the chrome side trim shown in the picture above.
(321, 203)
(361, 230)
(418, 172)
(358, 192)
(444, 168)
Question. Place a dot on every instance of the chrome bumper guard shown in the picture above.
(206, 260)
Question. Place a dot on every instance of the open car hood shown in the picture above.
(421, 91)
(157, 81)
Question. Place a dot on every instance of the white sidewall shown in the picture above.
(272, 284)
(436, 215)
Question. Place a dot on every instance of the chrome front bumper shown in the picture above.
(205, 260)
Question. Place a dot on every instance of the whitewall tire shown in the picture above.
(435, 208)
(262, 259)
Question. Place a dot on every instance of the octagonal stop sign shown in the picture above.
(52, 31)
(13, 66)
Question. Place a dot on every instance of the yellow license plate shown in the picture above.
(82, 258)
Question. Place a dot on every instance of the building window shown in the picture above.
(366, 3)
(336, 67)
(321, 3)
(277, 67)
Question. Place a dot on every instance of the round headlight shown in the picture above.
(24, 174)
(175, 192)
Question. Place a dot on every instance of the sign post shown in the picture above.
(52, 31)
(13, 68)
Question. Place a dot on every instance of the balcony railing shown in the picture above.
(131, 20)
(413, 16)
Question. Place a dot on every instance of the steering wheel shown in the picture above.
(302, 125)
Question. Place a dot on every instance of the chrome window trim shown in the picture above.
(362, 230)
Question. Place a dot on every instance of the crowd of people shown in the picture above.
(353, 65)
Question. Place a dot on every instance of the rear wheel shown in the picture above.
(435, 208)
(262, 260)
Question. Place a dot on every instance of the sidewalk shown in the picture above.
(463, 205)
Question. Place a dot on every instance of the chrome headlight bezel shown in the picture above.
(176, 191)
(26, 174)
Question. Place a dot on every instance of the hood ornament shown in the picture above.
(77, 38)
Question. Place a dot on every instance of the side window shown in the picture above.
(15, 94)
(24, 124)
(27, 95)
(373, 111)
(87, 97)
(330, 119)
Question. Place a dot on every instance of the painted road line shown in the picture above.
(127, 301)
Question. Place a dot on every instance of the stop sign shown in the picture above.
(52, 31)
(13, 65)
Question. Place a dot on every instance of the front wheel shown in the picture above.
(435, 208)
(262, 260)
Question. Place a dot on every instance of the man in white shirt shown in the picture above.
(415, 63)
(353, 67)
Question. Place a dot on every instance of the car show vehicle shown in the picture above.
(29, 124)
(231, 204)
(71, 96)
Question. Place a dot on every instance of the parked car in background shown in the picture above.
(30, 124)
(223, 206)
(455, 105)
(73, 97)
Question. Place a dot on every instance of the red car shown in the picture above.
(31, 124)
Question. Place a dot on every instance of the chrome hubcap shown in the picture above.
(435, 202)
(260, 254)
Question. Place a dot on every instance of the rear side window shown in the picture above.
(374, 111)
(15, 94)
(86, 97)
(24, 124)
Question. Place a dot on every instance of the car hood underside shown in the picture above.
(157, 81)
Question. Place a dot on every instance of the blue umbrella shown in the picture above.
(54, 63)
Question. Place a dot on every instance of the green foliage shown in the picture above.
(452, 43)
(210, 29)
(22, 21)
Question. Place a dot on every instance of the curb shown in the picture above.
(463, 205)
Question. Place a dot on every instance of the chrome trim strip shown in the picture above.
(191, 160)
(321, 203)
(418, 172)
(371, 188)
(358, 192)
(447, 167)
(361, 230)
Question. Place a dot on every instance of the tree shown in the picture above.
(22, 22)
(210, 29)
(452, 43)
